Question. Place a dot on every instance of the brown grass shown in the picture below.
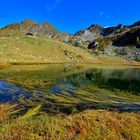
(4, 115)
(87, 125)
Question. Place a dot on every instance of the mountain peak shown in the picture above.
(95, 26)
(29, 26)
(135, 24)
(119, 26)
(28, 21)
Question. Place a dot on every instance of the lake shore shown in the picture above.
(99, 63)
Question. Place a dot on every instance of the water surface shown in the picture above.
(71, 88)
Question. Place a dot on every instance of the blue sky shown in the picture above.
(70, 15)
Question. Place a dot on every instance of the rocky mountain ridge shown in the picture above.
(96, 31)
(120, 40)
(28, 26)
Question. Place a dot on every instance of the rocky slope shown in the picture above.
(28, 26)
(122, 40)
(125, 44)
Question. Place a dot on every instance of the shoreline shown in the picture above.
(98, 63)
(128, 64)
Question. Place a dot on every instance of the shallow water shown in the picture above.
(71, 88)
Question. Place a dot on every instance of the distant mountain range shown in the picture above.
(123, 40)
(47, 30)
(96, 31)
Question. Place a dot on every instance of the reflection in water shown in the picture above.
(74, 87)
(123, 79)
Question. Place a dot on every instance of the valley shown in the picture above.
(63, 86)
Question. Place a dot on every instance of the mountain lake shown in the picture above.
(70, 88)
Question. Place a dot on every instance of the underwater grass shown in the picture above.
(68, 100)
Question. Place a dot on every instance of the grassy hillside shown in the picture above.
(26, 49)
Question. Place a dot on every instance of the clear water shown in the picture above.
(71, 87)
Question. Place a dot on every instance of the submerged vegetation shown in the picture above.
(70, 88)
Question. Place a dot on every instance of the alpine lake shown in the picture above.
(70, 88)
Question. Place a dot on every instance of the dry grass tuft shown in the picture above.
(4, 114)
(87, 125)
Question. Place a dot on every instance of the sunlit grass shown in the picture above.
(89, 124)
(27, 50)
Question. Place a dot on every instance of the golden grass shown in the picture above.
(87, 125)
(26, 50)
(4, 113)
(19, 50)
